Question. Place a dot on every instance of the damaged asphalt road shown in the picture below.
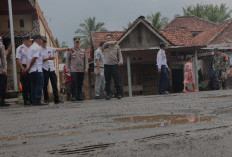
(190, 124)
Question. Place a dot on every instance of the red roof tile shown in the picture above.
(97, 37)
(179, 37)
(218, 35)
(191, 23)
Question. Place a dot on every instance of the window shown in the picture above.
(21, 23)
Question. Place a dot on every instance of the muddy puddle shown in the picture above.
(9, 138)
(153, 121)
(220, 96)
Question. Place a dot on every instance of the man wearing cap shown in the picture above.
(49, 70)
(112, 61)
(3, 74)
(77, 64)
(162, 69)
(99, 70)
(35, 62)
(21, 58)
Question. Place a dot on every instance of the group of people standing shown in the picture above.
(107, 62)
(36, 62)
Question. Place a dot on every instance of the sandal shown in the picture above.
(185, 91)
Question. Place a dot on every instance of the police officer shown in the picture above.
(99, 70)
(162, 69)
(21, 58)
(77, 64)
(112, 61)
(49, 70)
(35, 61)
(3, 74)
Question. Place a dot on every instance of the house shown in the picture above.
(28, 19)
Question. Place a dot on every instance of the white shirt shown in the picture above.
(46, 52)
(35, 51)
(21, 53)
(161, 59)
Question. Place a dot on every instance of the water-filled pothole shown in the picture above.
(152, 121)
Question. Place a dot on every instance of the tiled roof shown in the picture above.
(97, 37)
(179, 37)
(191, 23)
(218, 35)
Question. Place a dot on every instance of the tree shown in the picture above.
(85, 29)
(128, 26)
(158, 20)
(213, 13)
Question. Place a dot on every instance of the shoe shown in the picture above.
(108, 97)
(4, 105)
(119, 97)
(40, 104)
(46, 101)
(185, 91)
(196, 91)
(58, 102)
(80, 99)
(73, 99)
(166, 92)
(98, 97)
(27, 103)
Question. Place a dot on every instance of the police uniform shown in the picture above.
(112, 57)
(77, 62)
(21, 54)
(36, 73)
(49, 73)
(99, 79)
(3, 77)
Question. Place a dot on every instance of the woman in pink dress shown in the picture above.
(188, 75)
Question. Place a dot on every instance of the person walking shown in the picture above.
(49, 70)
(21, 58)
(188, 75)
(99, 70)
(67, 81)
(35, 62)
(163, 69)
(77, 64)
(112, 62)
(3, 74)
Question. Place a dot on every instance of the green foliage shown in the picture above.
(84, 32)
(158, 20)
(128, 26)
(213, 13)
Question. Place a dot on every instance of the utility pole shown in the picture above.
(13, 44)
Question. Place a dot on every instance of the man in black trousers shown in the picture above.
(49, 70)
(112, 62)
(3, 74)
(21, 58)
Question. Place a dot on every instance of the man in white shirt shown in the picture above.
(162, 69)
(35, 62)
(49, 70)
(21, 58)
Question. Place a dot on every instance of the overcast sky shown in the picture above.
(64, 16)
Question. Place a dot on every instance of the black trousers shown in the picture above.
(112, 71)
(77, 83)
(3, 85)
(26, 84)
(53, 78)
